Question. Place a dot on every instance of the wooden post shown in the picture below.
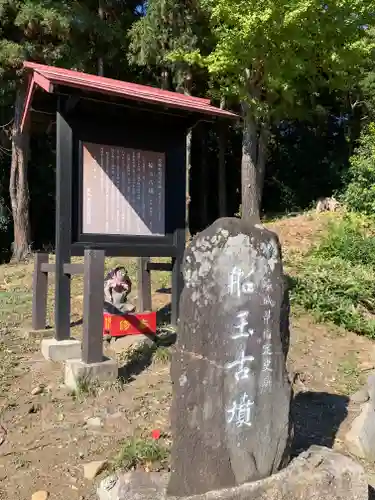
(177, 278)
(93, 302)
(64, 166)
(40, 289)
(177, 157)
(144, 285)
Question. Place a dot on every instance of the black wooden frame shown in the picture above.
(64, 200)
(72, 131)
(171, 142)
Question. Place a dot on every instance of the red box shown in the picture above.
(129, 324)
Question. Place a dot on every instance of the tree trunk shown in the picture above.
(165, 79)
(18, 185)
(204, 179)
(263, 137)
(222, 171)
(100, 58)
(254, 156)
(189, 140)
(354, 127)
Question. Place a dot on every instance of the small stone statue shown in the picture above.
(117, 287)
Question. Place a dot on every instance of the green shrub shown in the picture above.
(360, 192)
(336, 280)
(350, 239)
(139, 452)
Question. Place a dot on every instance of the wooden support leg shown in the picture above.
(40, 289)
(92, 343)
(144, 285)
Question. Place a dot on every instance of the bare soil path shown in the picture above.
(47, 437)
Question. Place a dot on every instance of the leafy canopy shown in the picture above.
(360, 193)
(170, 27)
(274, 52)
(61, 32)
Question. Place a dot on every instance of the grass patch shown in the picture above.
(85, 388)
(351, 239)
(15, 307)
(136, 453)
(335, 281)
(350, 375)
(8, 362)
(162, 355)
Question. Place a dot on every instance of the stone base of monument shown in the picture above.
(360, 440)
(31, 334)
(76, 371)
(315, 474)
(60, 350)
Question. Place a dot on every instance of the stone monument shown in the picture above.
(231, 393)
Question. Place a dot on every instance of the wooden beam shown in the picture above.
(144, 285)
(40, 289)
(64, 167)
(159, 266)
(93, 302)
(69, 269)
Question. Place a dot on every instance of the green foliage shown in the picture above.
(4, 217)
(61, 32)
(335, 281)
(162, 355)
(273, 52)
(136, 452)
(366, 97)
(360, 193)
(352, 240)
(170, 38)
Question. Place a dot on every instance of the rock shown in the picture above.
(115, 416)
(319, 473)
(136, 485)
(327, 205)
(94, 422)
(40, 495)
(360, 396)
(360, 440)
(130, 342)
(92, 469)
(371, 387)
(34, 408)
(231, 393)
(37, 390)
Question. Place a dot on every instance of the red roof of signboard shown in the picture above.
(48, 76)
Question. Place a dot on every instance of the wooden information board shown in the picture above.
(123, 191)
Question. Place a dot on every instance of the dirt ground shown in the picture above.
(47, 439)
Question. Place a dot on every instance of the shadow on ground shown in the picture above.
(163, 315)
(371, 493)
(167, 290)
(136, 363)
(141, 358)
(317, 417)
(78, 322)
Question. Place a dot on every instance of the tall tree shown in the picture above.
(37, 30)
(275, 53)
(55, 32)
(160, 40)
